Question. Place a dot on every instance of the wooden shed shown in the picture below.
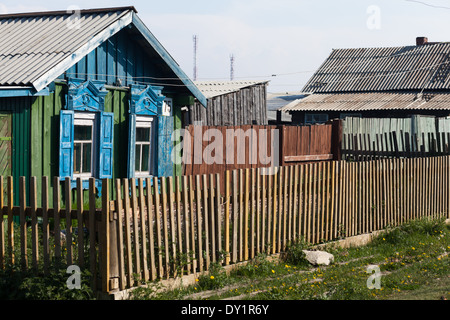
(230, 103)
(90, 98)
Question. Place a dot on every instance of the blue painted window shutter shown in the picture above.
(131, 145)
(66, 132)
(165, 146)
(106, 145)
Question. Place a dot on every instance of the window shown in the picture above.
(150, 128)
(86, 145)
(83, 145)
(143, 155)
(312, 118)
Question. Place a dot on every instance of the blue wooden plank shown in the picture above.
(81, 68)
(130, 70)
(131, 145)
(66, 134)
(23, 92)
(106, 145)
(111, 68)
(91, 65)
(101, 61)
(164, 163)
(121, 57)
(139, 60)
(72, 71)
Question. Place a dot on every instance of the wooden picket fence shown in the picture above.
(158, 228)
(53, 241)
(262, 210)
(375, 138)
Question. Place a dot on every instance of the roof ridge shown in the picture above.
(65, 12)
(393, 47)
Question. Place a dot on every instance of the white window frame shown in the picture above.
(145, 122)
(85, 119)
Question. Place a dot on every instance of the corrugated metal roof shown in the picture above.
(276, 101)
(211, 89)
(370, 101)
(38, 47)
(383, 69)
(33, 43)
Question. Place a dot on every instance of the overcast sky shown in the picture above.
(283, 41)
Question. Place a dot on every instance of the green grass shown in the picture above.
(17, 284)
(411, 258)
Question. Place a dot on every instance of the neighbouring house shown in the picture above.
(230, 103)
(276, 101)
(88, 94)
(388, 82)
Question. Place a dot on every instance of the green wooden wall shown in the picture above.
(117, 101)
(20, 109)
(40, 124)
(45, 134)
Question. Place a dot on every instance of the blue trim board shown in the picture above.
(22, 92)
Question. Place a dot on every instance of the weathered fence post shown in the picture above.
(336, 137)
(108, 242)
(92, 234)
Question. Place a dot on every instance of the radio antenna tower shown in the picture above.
(195, 38)
(231, 67)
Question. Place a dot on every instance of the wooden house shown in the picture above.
(230, 103)
(276, 101)
(387, 82)
(87, 94)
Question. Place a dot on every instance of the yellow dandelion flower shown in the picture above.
(273, 271)
(212, 277)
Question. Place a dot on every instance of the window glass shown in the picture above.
(83, 133)
(137, 160)
(87, 156)
(145, 158)
(143, 146)
(311, 118)
(82, 148)
(142, 134)
(77, 158)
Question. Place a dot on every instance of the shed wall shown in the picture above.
(244, 107)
